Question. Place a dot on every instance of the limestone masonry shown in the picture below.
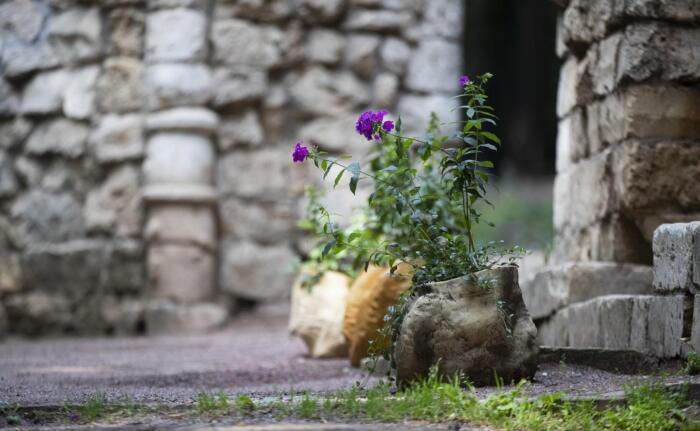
(145, 174)
(628, 161)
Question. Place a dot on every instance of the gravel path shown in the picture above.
(254, 355)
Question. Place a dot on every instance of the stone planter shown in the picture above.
(478, 326)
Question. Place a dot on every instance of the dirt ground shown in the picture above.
(254, 355)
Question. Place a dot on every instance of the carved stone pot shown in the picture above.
(476, 325)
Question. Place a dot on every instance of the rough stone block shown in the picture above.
(182, 224)
(433, 67)
(181, 273)
(121, 86)
(441, 18)
(415, 111)
(644, 112)
(256, 10)
(8, 181)
(20, 60)
(188, 119)
(584, 194)
(645, 323)
(177, 84)
(42, 216)
(238, 85)
(319, 91)
(267, 172)
(79, 95)
(38, 313)
(555, 330)
(44, 93)
(385, 90)
(613, 239)
(695, 329)
(644, 53)
(10, 272)
(72, 268)
(118, 138)
(255, 272)
(62, 137)
(126, 28)
(9, 101)
(389, 21)
(23, 18)
(649, 176)
(122, 316)
(13, 133)
(556, 287)
(166, 318)
(325, 46)
(575, 86)
(240, 42)
(677, 257)
(76, 35)
(362, 54)
(335, 134)
(665, 325)
(395, 54)
(3, 321)
(178, 158)
(263, 222)
(167, 41)
(241, 129)
(572, 139)
(319, 11)
(115, 206)
(125, 271)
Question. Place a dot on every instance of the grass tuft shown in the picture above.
(94, 408)
(692, 365)
(206, 403)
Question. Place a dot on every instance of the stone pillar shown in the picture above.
(628, 155)
(179, 172)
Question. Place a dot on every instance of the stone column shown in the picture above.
(179, 172)
(627, 161)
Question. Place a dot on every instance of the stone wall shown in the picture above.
(145, 175)
(628, 160)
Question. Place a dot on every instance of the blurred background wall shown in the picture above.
(146, 182)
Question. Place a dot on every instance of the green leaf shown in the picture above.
(398, 126)
(490, 136)
(327, 248)
(338, 177)
(354, 169)
(344, 157)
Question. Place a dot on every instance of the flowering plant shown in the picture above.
(426, 192)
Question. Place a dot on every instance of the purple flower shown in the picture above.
(464, 80)
(300, 153)
(368, 122)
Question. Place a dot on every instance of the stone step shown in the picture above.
(677, 257)
(644, 323)
(558, 286)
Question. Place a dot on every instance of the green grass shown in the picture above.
(94, 408)
(649, 408)
(206, 403)
(692, 365)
